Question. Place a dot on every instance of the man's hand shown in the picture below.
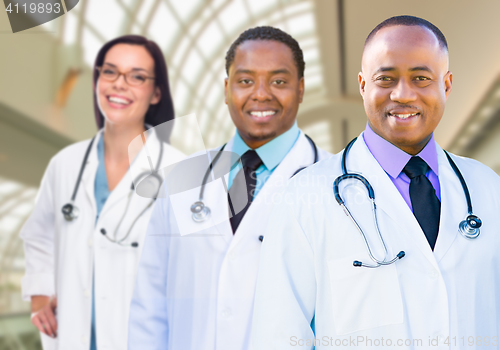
(43, 314)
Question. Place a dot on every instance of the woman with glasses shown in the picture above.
(84, 238)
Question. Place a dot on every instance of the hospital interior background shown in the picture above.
(46, 88)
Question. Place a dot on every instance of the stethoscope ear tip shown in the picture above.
(401, 254)
(357, 263)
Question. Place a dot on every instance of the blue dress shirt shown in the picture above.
(101, 194)
(271, 153)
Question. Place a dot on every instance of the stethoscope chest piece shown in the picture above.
(200, 211)
(470, 227)
(70, 211)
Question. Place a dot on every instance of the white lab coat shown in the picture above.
(62, 256)
(195, 291)
(307, 280)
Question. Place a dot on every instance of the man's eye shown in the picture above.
(421, 78)
(384, 78)
(245, 81)
(279, 82)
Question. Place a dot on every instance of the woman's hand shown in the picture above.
(43, 314)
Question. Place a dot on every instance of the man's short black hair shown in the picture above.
(268, 33)
(409, 21)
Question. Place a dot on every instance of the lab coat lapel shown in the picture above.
(388, 199)
(88, 177)
(256, 218)
(220, 199)
(136, 167)
(453, 206)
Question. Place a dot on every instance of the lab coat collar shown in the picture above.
(453, 206)
(89, 173)
(392, 203)
(124, 186)
(300, 155)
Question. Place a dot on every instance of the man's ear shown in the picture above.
(362, 83)
(301, 89)
(156, 96)
(225, 89)
(448, 82)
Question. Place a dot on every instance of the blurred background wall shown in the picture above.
(46, 92)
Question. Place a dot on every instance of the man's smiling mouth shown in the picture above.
(404, 116)
(262, 114)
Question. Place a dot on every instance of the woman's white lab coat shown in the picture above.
(62, 256)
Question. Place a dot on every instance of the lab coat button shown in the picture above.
(433, 274)
(84, 339)
(86, 292)
(90, 243)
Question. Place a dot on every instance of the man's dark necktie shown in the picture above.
(251, 161)
(426, 205)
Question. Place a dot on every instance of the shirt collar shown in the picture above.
(273, 152)
(393, 159)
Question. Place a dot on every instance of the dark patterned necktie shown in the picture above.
(426, 205)
(251, 161)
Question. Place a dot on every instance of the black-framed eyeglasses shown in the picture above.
(134, 78)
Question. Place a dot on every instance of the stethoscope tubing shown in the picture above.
(468, 230)
(129, 196)
(200, 212)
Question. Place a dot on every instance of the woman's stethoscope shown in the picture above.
(151, 182)
(469, 228)
(201, 212)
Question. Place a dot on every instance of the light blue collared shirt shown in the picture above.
(271, 153)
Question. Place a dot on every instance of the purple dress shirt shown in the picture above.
(393, 160)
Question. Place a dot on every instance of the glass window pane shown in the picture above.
(260, 6)
(185, 8)
(164, 27)
(313, 81)
(180, 50)
(311, 55)
(70, 27)
(128, 3)
(181, 94)
(301, 24)
(144, 11)
(192, 67)
(320, 133)
(91, 46)
(105, 16)
(136, 29)
(233, 16)
(210, 39)
(299, 7)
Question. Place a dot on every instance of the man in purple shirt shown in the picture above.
(312, 292)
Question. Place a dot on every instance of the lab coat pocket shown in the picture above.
(364, 298)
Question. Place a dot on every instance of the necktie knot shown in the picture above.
(416, 166)
(251, 160)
